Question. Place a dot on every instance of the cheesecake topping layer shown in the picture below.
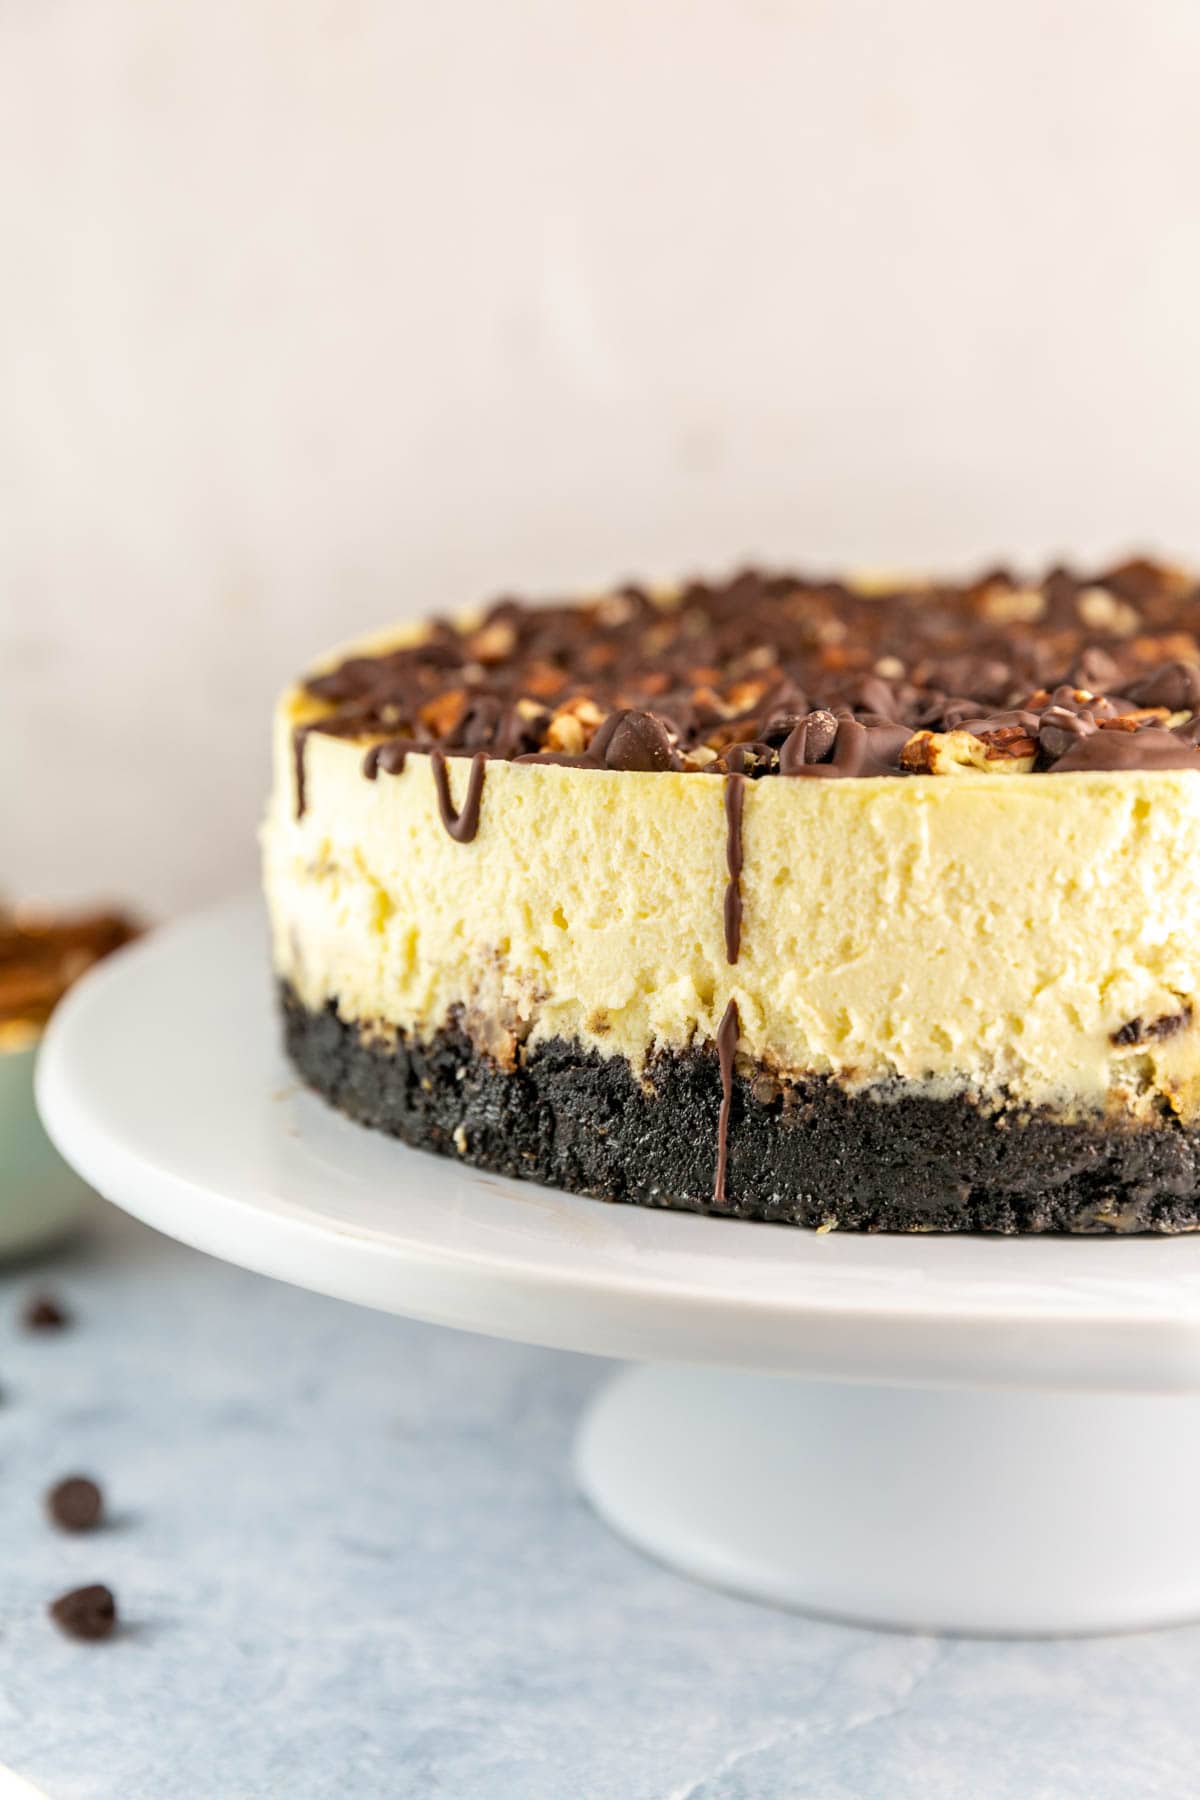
(778, 674)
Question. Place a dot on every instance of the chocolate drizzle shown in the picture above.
(299, 740)
(735, 795)
(727, 1037)
(463, 823)
(391, 757)
(348, 722)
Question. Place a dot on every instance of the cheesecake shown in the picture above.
(871, 905)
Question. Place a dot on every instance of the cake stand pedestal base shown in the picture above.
(979, 1511)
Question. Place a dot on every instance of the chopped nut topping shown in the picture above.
(565, 734)
(440, 716)
(495, 643)
(719, 675)
(571, 728)
(1005, 752)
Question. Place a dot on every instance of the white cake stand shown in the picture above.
(965, 1434)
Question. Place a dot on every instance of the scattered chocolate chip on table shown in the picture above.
(89, 1613)
(44, 1312)
(75, 1503)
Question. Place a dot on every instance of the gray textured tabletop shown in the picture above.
(350, 1562)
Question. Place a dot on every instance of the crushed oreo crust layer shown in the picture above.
(808, 1153)
(782, 674)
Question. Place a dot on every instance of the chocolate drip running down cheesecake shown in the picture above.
(876, 907)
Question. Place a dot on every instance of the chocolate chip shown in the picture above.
(45, 1313)
(1096, 671)
(75, 1503)
(862, 747)
(871, 694)
(478, 724)
(1138, 1031)
(1016, 718)
(1060, 729)
(521, 730)
(637, 741)
(1175, 685)
(949, 715)
(1080, 701)
(1151, 748)
(89, 1613)
(986, 677)
(780, 725)
(810, 741)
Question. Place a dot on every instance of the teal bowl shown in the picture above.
(40, 1197)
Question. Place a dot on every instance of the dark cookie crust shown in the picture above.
(808, 1154)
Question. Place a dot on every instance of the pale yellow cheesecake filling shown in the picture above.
(964, 932)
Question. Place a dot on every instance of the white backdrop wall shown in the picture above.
(311, 314)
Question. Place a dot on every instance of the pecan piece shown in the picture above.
(1006, 752)
(441, 714)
